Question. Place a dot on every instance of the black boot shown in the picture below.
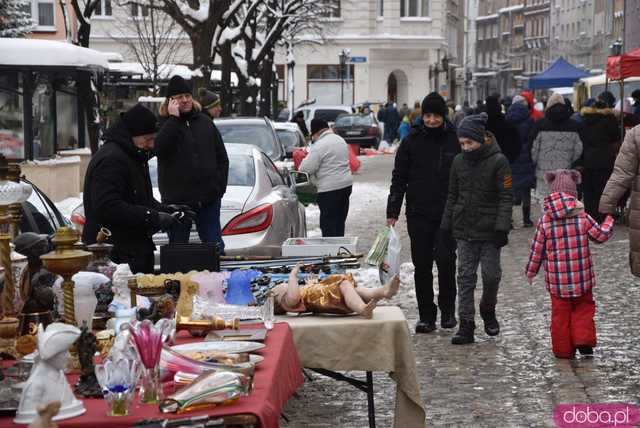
(586, 351)
(448, 321)
(464, 334)
(425, 327)
(491, 325)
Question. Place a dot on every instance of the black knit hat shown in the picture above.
(318, 125)
(434, 103)
(139, 120)
(208, 99)
(177, 85)
(473, 127)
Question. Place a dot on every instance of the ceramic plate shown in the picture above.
(230, 347)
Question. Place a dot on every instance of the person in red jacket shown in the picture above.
(561, 245)
(535, 114)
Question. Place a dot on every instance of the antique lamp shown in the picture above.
(15, 209)
(66, 261)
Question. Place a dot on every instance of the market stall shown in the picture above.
(559, 74)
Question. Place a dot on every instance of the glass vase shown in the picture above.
(150, 386)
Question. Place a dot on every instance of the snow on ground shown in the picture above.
(66, 206)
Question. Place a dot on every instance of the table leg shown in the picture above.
(370, 402)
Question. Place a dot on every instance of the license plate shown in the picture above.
(353, 132)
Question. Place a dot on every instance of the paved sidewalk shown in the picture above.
(509, 381)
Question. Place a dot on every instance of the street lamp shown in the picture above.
(616, 48)
(343, 61)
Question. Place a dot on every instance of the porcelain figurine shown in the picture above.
(47, 381)
(336, 294)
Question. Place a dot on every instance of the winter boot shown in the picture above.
(585, 351)
(425, 327)
(448, 321)
(465, 333)
(491, 325)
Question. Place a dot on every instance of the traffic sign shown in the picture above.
(358, 59)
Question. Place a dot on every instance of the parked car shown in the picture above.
(290, 136)
(326, 112)
(39, 214)
(361, 129)
(260, 209)
(252, 130)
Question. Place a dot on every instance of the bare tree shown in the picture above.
(155, 42)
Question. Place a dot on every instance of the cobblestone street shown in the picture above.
(509, 381)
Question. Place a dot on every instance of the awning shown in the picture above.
(623, 66)
(48, 53)
(560, 73)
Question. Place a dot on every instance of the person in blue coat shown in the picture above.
(522, 168)
(405, 127)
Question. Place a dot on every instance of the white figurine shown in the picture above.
(47, 381)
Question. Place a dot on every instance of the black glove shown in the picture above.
(500, 239)
(180, 211)
(166, 221)
(445, 246)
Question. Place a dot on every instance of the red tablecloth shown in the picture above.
(275, 380)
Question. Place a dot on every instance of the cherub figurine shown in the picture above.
(47, 381)
(336, 294)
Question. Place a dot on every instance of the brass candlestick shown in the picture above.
(15, 210)
(66, 261)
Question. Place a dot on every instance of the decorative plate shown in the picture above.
(230, 347)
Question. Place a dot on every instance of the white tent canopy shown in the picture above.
(29, 52)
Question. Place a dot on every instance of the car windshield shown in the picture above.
(241, 171)
(328, 115)
(258, 135)
(353, 120)
(289, 139)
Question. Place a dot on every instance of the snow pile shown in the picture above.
(16, 18)
(201, 14)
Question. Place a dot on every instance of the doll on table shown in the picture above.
(336, 294)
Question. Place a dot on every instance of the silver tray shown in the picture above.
(230, 347)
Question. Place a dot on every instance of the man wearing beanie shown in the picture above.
(478, 214)
(192, 163)
(210, 102)
(117, 192)
(328, 164)
(421, 173)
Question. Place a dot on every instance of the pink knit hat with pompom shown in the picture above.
(563, 180)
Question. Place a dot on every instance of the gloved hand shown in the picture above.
(500, 239)
(181, 211)
(166, 221)
(445, 245)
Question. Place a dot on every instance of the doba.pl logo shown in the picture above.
(599, 415)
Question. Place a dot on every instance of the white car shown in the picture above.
(327, 112)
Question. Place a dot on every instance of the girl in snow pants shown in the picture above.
(561, 245)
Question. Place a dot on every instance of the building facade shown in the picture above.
(632, 25)
(487, 47)
(52, 21)
(536, 36)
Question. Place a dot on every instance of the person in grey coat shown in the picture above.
(555, 141)
(328, 163)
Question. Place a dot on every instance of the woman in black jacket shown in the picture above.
(600, 133)
(192, 163)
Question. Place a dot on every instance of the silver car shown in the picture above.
(260, 209)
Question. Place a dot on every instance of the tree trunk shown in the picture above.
(226, 93)
(265, 86)
(201, 42)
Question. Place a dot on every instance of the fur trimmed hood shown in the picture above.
(593, 110)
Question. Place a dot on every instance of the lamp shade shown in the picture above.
(10, 192)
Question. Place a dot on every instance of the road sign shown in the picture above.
(358, 59)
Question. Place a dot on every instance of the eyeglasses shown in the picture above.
(181, 97)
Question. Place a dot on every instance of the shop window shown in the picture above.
(104, 8)
(44, 120)
(67, 118)
(11, 116)
(414, 8)
(327, 72)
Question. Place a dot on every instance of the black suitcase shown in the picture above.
(187, 257)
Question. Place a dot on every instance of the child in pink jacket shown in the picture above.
(561, 245)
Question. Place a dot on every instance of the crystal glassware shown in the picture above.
(118, 381)
(147, 340)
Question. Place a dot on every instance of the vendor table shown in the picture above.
(336, 343)
(275, 380)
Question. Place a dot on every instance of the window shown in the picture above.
(104, 8)
(414, 8)
(43, 13)
(11, 116)
(272, 172)
(380, 7)
(332, 9)
(139, 11)
(327, 72)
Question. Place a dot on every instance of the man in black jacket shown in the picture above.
(506, 134)
(192, 163)
(421, 171)
(118, 195)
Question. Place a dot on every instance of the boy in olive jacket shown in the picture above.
(478, 214)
